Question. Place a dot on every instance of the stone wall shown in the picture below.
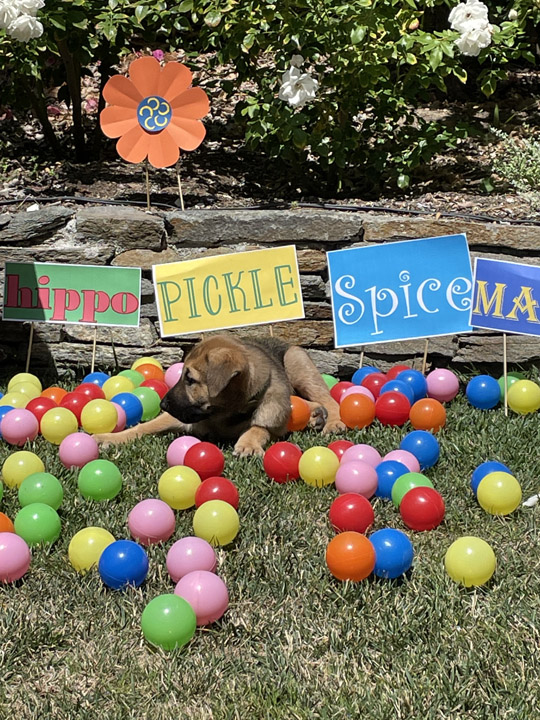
(126, 236)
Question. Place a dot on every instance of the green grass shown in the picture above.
(295, 642)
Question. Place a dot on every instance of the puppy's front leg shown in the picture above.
(162, 423)
(252, 442)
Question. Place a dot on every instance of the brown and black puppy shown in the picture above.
(240, 390)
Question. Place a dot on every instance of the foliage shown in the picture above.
(375, 61)
(517, 162)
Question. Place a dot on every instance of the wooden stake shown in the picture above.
(114, 350)
(147, 185)
(29, 351)
(271, 328)
(505, 376)
(179, 186)
(361, 358)
(424, 359)
(94, 350)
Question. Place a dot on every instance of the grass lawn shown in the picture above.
(295, 643)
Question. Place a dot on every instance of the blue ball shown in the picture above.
(3, 410)
(484, 469)
(393, 553)
(423, 445)
(361, 373)
(483, 392)
(400, 387)
(416, 381)
(388, 471)
(123, 563)
(132, 407)
(96, 378)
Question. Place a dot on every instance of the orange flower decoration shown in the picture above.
(154, 112)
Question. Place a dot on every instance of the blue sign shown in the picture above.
(401, 290)
(506, 297)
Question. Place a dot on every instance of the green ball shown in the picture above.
(168, 621)
(150, 400)
(99, 480)
(330, 380)
(136, 377)
(41, 487)
(511, 378)
(38, 523)
(407, 482)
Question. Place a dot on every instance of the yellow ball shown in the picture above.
(25, 378)
(19, 465)
(146, 361)
(86, 547)
(99, 416)
(58, 423)
(524, 397)
(318, 466)
(28, 389)
(117, 384)
(470, 561)
(177, 487)
(499, 493)
(15, 399)
(216, 522)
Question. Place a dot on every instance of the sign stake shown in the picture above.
(29, 351)
(147, 185)
(424, 359)
(361, 358)
(94, 340)
(505, 375)
(179, 186)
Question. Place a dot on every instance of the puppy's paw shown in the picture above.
(104, 439)
(244, 448)
(334, 426)
(318, 418)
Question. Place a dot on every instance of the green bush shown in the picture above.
(375, 61)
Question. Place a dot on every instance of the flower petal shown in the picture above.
(134, 145)
(144, 73)
(163, 151)
(116, 121)
(174, 79)
(187, 134)
(192, 103)
(119, 90)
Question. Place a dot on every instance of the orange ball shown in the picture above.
(151, 372)
(5, 524)
(55, 393)
(300, 414)
(350, 556)
(428, 414)
(357, 410)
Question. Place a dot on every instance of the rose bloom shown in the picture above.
(297, 87)
(25, 28)
(475, 38)
(464, 13)
(8, 13)
(28, 7)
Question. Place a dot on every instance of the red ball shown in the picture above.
(395, 370)
(300, 414)
(339, 447)
(75, 401)
(351, 511)
(158, 385)
(339, 388)
(281, 460)
(217, 488)
(206, 459)
(422, 508)
(40, 405)
(91, 390)
(357, 411)
(392, 408)
(374, 382)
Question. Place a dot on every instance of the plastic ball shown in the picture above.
(422, 508)
(117, 384)
(132, 407)
(168, 621)
(91, 391)
(374, 383)
(423, 445)
(41, 487)
(499, 493)
(146, 361)
(216, 522)
(75, 401)
(14, 557)
(339, 447)
(19, 426)
(400, 387)
(4, 409)
(177, 450)
(350, 556)
(407, 482)
(151, 521)
(173, 374)
(484, 469)
(25, 378)
(217, 488)
(121, 422)
(470, 561)
(356, 477)
(300, 414)
(28, 389)
(206, 459)
(189, 554)
(6, 524)
(123, 563)
(99, 480)
(483, 392)
(158, 385)
(388, 471)
(38, 523)
(416, 381)
(14, 400)
(136, 378)
(318, 466)
(393, 553)
(206, 593)
(395, 370)
(330, 380)
(86, 546)
(357, 390)
(442, 384)
(95, 378)
(405, 457)
(78, 449)
(280, 462)
(99, 416)
(524, 397)
(392, 408)
(511, 378)
(54, 393)
(19, 465)
(363, 452)
(357, 411)
(57, 424)
(351, 512)
(427, 414)
(177, 487)
(150, 371)
(362, 373)
(337, 390)
(39, 406)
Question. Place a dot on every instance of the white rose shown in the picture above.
(297, 61)
(476, 37)
(462, 14)
(25, 28)
(297, 88)
(8, 13)
(29, 7)
(513, 15)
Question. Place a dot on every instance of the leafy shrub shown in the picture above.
(517, 162)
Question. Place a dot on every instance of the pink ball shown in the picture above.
(358, 477)
(78, 449)
(442, 384)
(151, 521)
(357, 389)
(14, 557)
(178, 449)
(206, 593)
(19, 425)
(405, 457)
(362, 452)
(121, 423)
(189, 554)
(172, 374)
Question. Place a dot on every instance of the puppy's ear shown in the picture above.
(223, 366)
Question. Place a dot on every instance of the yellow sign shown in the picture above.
(226, 291)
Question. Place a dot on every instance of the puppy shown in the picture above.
(239, 390)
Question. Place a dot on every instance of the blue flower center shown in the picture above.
(154, 113)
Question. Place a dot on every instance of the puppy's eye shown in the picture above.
(190, 380)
